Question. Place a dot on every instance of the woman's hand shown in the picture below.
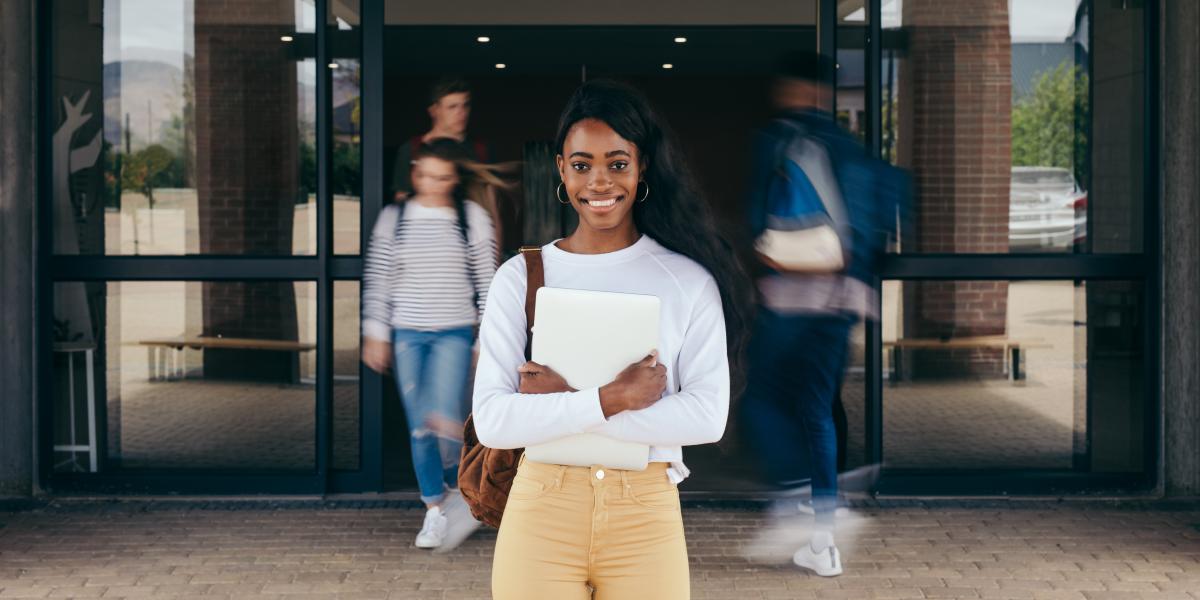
(540, 379)
(376, 354)
(639, 386)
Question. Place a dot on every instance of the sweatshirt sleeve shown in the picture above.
(377, 275)
(697, 413)
(503, 417)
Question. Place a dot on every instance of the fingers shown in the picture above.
(531, 368)
(650, 361)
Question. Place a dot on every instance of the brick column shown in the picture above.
(247, 172)
(955, 120)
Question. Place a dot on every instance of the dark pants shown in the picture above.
(796, 368)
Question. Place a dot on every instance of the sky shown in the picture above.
(1029, 20)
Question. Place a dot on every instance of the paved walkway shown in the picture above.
(296, 550)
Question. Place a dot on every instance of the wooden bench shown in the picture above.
(165, 355)
(1013, 350)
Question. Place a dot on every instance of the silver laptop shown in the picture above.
(589, 338)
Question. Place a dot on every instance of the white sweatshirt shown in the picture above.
(692, 348)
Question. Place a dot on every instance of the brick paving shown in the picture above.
(307, 549)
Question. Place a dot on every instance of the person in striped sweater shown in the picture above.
(428, 266)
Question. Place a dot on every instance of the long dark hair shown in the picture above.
(676, 214)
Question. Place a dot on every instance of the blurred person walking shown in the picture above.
(818, 212)
(428, 267)
(449, 116)
(494, 185)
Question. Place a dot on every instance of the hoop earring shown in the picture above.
(558, 194)
(647, 194)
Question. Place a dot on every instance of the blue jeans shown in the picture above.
(431, 370)
(796, 366)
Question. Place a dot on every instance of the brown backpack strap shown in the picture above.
(535, 278)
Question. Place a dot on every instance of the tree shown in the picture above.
(1050, 124)
(151, 167)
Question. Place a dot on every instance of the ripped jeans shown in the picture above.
(431, 370)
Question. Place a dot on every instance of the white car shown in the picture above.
(1047, 210)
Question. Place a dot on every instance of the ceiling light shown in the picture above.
(501, 66)
(668, 66)
(285, 38)
(680, 40)
(333, 65)
(483, 39)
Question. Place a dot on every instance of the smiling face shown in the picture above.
(600, 172)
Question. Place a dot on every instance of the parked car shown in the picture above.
(1047, 210)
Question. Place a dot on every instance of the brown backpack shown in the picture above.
(486, 474)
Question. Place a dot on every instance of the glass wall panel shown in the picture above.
(184, 127)
(1021, 122)
(184, 375)
(346, 176)
(1020, 374)
(347, 404)
(853, 21)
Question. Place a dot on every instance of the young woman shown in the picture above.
(428, 268)
(644, 229)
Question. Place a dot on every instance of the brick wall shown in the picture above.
(247, 157)
(956, 107)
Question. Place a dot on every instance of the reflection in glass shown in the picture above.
(346, 177)
(347, 156)
(1022, 374)
(347, 415)
(185, 128)
(185, 375)
(992, 105)
(852, 67)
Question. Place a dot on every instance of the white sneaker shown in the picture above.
(826, 562)
(433, 532)
(806, 508)
(461, 522)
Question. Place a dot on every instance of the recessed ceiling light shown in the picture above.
(483, 39)
(668, 66)
(333, 65)
(680, 40)
(501, 66)
(285, 38)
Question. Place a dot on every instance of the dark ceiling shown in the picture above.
(430, 51)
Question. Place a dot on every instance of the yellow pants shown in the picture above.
(570, 530)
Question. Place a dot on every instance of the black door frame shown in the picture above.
(325, 269)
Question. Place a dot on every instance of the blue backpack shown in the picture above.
(826, 181)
